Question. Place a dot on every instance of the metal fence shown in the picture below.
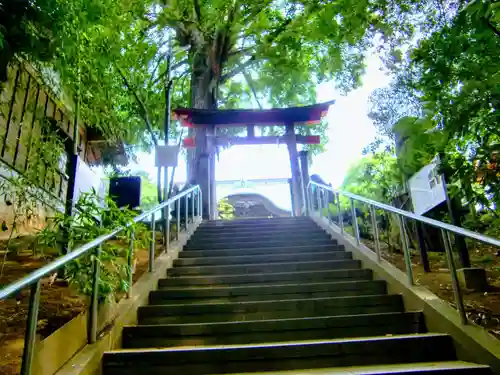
(33, 280)
(318, 196)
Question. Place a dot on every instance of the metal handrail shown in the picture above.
(33, 280)
(445, 229)
(409, 215)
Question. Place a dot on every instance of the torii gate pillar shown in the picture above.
(296, 187)
(204, 171)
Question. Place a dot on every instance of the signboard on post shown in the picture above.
(427, 188)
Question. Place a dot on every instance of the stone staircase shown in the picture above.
(277, 296)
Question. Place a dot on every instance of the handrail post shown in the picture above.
(376, 236)
(153, 244)
(306, 200)
(457, 293)
(310, 199)
(192, 206)
(130, 263)
(201, 203)
(354, 219)
(327, 206)
(186, 201)
(178, 205)
(406, 250)
(31, 324)
(197, 204)
(320, 202)
(167, 226)
(340, 216)
(94, 297)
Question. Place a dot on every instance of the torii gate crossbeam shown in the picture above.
(206, 141)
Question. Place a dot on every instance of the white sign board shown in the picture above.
(426, 188)
(86, 180)
(167, 156)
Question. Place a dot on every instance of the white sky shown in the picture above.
(349, 131)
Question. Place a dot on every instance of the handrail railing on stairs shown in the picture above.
(33, 280)
(321, 196)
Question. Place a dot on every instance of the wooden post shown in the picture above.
(294, 166)
(453, 206)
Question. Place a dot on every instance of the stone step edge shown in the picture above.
(331, 245)
(266, 273)
(226, 266)
(288, 301)
(260, 286)
(397, 369)
(278, 344)
(418, 314)
(237, 257)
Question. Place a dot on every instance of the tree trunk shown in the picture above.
(204, 87)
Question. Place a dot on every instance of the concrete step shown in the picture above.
(266, 292)
(258, 227)
(262, 250)
(262, 310)
(206, 239)
(268, 278)
(425, 368)
(262, 231)
(259, 243)
(256, 221)
(238, 269)
(264, 258)
(280, 330)
(397, 349)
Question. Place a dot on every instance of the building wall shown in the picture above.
(25, 104)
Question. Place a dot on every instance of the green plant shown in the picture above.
(90, 221)
(225, 209)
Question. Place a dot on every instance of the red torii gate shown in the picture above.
(206, 140)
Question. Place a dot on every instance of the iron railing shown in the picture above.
(322, 201)
(33, 280)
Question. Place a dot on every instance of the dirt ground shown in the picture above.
(58, 305)
(482, 308)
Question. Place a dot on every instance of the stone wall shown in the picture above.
(26, 103)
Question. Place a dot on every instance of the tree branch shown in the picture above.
(269, 39)
(241, 51)
(250, 83)
(160, 60)
(492, 27)
(238, 70)
(179, 64)
(197, 10)
(144, 111)
(173, 67)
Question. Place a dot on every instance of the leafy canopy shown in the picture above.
(113, 55)
(447, 90)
